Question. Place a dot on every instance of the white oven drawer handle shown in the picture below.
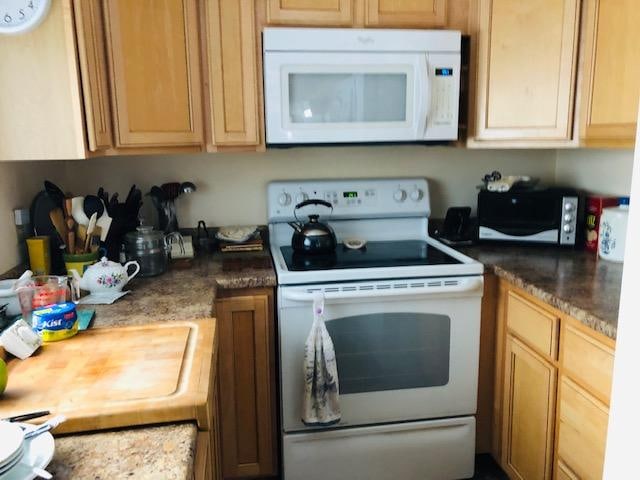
(468, 285)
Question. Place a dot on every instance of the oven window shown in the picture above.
(347, 97)
(391, 351)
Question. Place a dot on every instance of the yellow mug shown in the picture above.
(79, 262)
(39, 255)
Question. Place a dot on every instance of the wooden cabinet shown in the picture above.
(247, 382)
(582, 431)
(325, 13)
(551, 390)
(154, 58)
(529, 405)
(586, 368)
(406, 13)
(92, 58)
(41, 103)
(233, 72)
(525, 62)
(359, 13)
(610, 73)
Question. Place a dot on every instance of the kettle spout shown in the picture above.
(297, 227)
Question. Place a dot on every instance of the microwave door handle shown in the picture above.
(424, 97)
(462, 286)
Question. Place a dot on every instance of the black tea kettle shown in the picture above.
(313, 237)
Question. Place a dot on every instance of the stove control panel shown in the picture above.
(351, 199)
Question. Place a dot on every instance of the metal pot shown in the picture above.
(313, 237)
(149, 248)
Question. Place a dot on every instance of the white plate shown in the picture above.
(38, 452)
(12, 438)
(8, 466)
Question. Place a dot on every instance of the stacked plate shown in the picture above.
(11, 446)
(22, 459)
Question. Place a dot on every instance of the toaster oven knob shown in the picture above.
(301, 197)
(568, 206)
(567, 228)
(568, 217)
(400, 195)
(416, 195)
(284, 199)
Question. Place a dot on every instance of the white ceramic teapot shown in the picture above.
(105, 276)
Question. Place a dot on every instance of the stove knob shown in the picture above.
(416, 195)
(567, 228)
(400, 195)
(284, 199)
(301, 197)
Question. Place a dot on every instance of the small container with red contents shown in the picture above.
(42, 291)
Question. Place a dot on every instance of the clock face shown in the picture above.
(20, 16)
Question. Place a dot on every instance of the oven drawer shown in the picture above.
(436, 449)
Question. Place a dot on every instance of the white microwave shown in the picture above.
(330, 85)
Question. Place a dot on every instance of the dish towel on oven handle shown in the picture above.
(321, 405)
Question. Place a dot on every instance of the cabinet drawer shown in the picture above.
(587, 360)
(537, 327)
(582, 431)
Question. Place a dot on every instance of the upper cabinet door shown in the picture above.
(526, 70)
(154, 57)
(611, 73)
(324, 13)
(93, 68)
(233, 77)
(406, 13)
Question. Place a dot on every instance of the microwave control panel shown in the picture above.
(444, 90)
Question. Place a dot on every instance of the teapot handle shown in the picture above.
(126, 267)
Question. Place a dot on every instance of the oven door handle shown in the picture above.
(462, 286)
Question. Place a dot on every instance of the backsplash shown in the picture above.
(19, 182)
(606, 172)
(232, 187)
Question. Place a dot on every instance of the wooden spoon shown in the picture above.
(57, 218)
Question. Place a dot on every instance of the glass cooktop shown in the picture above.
(406, 253)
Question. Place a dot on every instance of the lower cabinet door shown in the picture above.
(528, 413)
(582, 431)
(246, 385)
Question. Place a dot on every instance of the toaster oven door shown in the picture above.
(519, 217)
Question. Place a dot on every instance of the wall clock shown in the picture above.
(21, 16)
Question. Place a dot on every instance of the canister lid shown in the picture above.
(145, 236)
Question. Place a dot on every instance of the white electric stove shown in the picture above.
(404, 316)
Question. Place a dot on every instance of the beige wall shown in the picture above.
(606, 172)
(232, 187)
(19, 182)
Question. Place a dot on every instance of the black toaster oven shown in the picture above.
(542, 216)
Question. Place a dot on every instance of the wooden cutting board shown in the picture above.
(117, 377)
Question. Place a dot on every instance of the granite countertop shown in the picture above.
(166, 451)
(186, 293)
(575, 282)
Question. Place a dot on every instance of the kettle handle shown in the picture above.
(314, 201)
(126, 268)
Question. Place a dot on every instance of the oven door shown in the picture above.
(406, 350)
(314, 97)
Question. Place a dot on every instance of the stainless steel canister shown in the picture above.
(149, 248)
